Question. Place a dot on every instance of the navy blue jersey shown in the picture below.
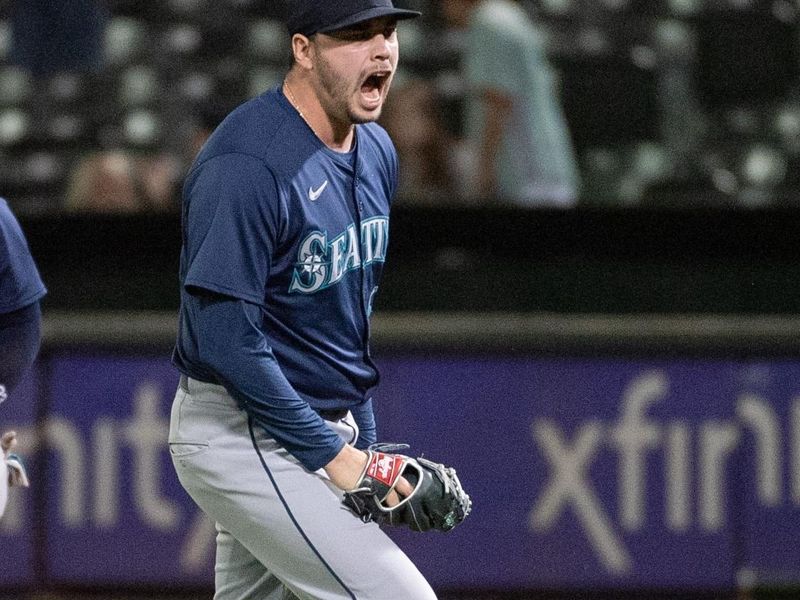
(21, 288)
(20, 283)
(296, 234)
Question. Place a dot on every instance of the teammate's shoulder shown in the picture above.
(5, 209)
(8, 220)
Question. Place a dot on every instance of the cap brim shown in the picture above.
(373, 13)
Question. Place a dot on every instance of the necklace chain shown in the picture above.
(294, 103)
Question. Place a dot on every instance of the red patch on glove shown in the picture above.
(385, 468)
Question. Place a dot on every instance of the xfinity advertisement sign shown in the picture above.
(583, 472)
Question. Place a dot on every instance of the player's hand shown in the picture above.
(17, 475)
(7, 442)
(347, 467)
(437, 501)
(401, 490)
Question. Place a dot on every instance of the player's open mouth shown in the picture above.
(373, 86)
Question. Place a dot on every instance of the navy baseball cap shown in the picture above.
(321, 16)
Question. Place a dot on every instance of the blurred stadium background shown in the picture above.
(668, 297)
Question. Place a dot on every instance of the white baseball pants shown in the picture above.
(282, 531)
(3, 484)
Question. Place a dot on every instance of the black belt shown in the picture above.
(333, 414)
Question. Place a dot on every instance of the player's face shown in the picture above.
(355, 68)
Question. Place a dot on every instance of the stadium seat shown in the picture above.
(180, 40)
(5, 41)
(196, 86)
(188, 9)
(68, 89)
(262, 78)
(35, 180)
(126, 40)
(414, 43)
(784, 123)
(43, 169)
(762, 166)
(138, 85)
(141, 128)
(266, 41)
(16, 86)
(15, 127)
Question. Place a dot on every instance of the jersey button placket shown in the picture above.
(359, 205)
(359, 201)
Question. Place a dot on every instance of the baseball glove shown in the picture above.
(437, 502)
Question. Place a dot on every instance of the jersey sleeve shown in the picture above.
(364, 417)
(20, 282)
(233, 206)
(234, 348)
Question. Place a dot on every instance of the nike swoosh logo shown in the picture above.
(314, 194)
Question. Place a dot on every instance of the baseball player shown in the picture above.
(285, 231)
(21, 289)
